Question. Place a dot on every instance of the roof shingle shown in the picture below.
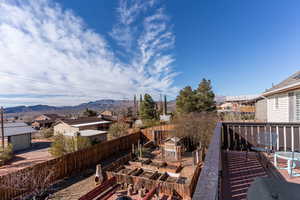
(295, 78)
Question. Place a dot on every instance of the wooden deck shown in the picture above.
(238, 174)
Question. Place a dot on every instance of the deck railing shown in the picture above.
(239, 136)
(208, 183)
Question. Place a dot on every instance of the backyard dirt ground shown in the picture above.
(36, 154)
(75, 187)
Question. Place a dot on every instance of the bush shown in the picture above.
(118, 129)
(63, 145)
(7, 153)
(47, 132)
(83, 142)
(58, 146)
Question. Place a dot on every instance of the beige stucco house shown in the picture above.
(91, 127)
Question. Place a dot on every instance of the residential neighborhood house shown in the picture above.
(45, 120)
(283, 100)
(92, 127)
(244, 104)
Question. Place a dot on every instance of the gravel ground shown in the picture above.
(74, 188)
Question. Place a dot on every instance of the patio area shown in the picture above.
(240, 171)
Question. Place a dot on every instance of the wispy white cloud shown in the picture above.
(45, 50)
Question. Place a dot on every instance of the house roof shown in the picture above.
(289, 82)
(107, 117)
(242, 98)
(50, 116)
(84, 121)
(87, 133)
(16, 128)
(91, 123)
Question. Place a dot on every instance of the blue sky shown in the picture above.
(242, 46)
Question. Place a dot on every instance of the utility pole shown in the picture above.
(2, 127)
(165, 110)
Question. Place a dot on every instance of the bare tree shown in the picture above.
(196, 129)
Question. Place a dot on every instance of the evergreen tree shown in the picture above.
(205, 97)
(199, 100)
(147, 108)
(186, 101)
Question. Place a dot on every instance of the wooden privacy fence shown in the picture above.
(236, 135)
(38, 177)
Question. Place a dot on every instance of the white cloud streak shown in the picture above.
(49, 51)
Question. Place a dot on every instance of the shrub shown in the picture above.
(47, 132)
(63, 145)
(83, 142)
(118, 129)
(58, 146)
(7, 153)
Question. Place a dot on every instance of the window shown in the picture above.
(298, 106)
(276, 102)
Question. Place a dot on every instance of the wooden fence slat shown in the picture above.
(64, 166)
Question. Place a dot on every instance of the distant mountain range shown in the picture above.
(96, 105)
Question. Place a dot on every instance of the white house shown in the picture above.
(93, 128)
(283, 100)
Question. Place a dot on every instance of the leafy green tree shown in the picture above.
(186, 100)
(89, 113)
(147, 108)
(205, 97)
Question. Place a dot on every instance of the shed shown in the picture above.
(173, 148)
(18, 134)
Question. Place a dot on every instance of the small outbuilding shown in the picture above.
(18, 134)
(173, 148)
